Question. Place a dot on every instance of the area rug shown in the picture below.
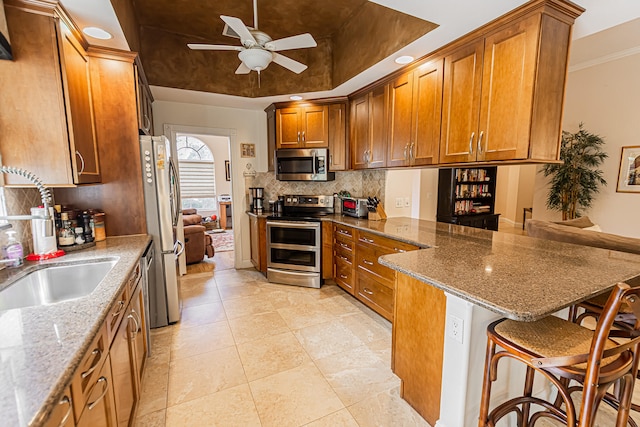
(222, 242)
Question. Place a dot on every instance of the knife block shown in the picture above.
(378, 215)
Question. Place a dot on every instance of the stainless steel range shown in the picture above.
(294, 241)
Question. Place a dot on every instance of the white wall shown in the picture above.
(419, 186)
(244, 126)
(604, 97)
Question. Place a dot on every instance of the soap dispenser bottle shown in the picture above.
(13, 250)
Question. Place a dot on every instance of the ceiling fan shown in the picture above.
(258, 49)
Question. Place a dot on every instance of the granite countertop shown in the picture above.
(519, 277)
(41, 347)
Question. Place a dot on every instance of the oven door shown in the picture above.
(294, 245)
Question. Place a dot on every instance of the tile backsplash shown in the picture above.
(19, 201)
(358, 183)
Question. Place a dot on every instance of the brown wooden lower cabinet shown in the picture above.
(62, 415)
(99, 409)
(258, 238)
(375, 295)
(418, 344)
(122, 373)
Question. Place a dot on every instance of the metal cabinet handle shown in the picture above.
(406, 149)
(117, 313)
(82, 161)
(344, 245)
(367, 262)
(104, 391)
(367, 291)
(304, 137)
(330, 159)
(298, 136)
(366, 240)
(471, 142)
(399, 250)
(343, 257)
(137, 325)
(65, 400)
(342, 276)
(411, 155)
(345, 232)
(480, 141)
(147, 123)
(97, 353)
(175, 248)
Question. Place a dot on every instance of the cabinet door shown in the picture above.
(337, 137)
(461, 103)
(62, 413)
(138, 337)
(378, 120)
(271, 139)
(253, 236)
(400, 118)
(123, 373)
(82, 133)
(288, 132)
(99, 410)
(314, 126)
(507, 91)
(427, 113)
(359, 132)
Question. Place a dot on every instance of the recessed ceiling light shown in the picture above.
(295, 98)
(97, 33)
(405, 59)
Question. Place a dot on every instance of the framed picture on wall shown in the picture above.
(227, 170)
(629, 175)
(247, 150)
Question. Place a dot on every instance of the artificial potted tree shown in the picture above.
(575, 182)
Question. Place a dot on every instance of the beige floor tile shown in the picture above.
(207, 373)
(249, 328)
(271, 355)
(200, 339)
(301, 316)
(239, 290)
(357, 374)
(386, 409)
(198, 292)
(340, 305)
(365, 328)
(282, 297)
(203, 314)
(232, 407)
(327, 338)
(155, 384)
(154, 419)
(294, 397)
(234, 277)
(382, 349)
(238, 307)
(160, 350)
(342, 418)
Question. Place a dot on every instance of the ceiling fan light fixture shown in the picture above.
(404, 59)
(256, 59)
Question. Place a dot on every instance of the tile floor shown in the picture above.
(251, 353)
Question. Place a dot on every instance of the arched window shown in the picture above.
(197, 174)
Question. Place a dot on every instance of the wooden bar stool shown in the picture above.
(562, 351)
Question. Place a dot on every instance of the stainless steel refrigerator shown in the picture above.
(162, 205)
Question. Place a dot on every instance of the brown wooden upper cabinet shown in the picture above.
(368, 129)
(503, 92)
(415, 106)
(338, 137)
(48, 105)
(144, 100)
(302, 127)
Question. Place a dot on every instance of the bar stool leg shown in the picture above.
(528, 391)
(486, 384)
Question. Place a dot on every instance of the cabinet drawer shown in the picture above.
(367, 259)
(134, 278)
(392, 245)
(344, 275)
(88, 371)
(344, 245)
(375, 295)
(343, 254)
(116, 313)
(342, 230)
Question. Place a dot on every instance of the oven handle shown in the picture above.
(291, 247)
(293, 224)
(314, 162)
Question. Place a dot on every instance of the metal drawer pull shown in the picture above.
(298, 137)
(480, 142)
(343, 257)
(366, 240)
(345, 232)
(68, 413)
(367, 262)
(98, 353)
(304, 137)
(471, 142)
(342, 276)
(399, 250)
(406, 148)
(117, 313)
(104, 391)
(367, 291)
(134, 332)
(344, 245)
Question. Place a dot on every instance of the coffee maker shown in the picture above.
(257, 199)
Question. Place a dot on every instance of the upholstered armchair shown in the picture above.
(197, 243)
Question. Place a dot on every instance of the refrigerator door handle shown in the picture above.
(175, 247)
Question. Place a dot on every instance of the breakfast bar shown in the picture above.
(486, 276)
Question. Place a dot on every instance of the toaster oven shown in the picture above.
(354, 207)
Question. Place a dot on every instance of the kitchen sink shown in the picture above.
(54, 284)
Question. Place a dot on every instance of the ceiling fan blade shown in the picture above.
(294, 42)
(289, 63)
(200, 46)
(243, 69)
(238, 26)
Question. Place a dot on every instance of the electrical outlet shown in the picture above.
(407, 202)
(399, 202)
(456, 328)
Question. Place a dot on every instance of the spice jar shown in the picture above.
(98, 224)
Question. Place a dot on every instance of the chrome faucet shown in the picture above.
(45, 195)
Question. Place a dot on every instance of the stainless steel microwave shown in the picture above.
(303, 164)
